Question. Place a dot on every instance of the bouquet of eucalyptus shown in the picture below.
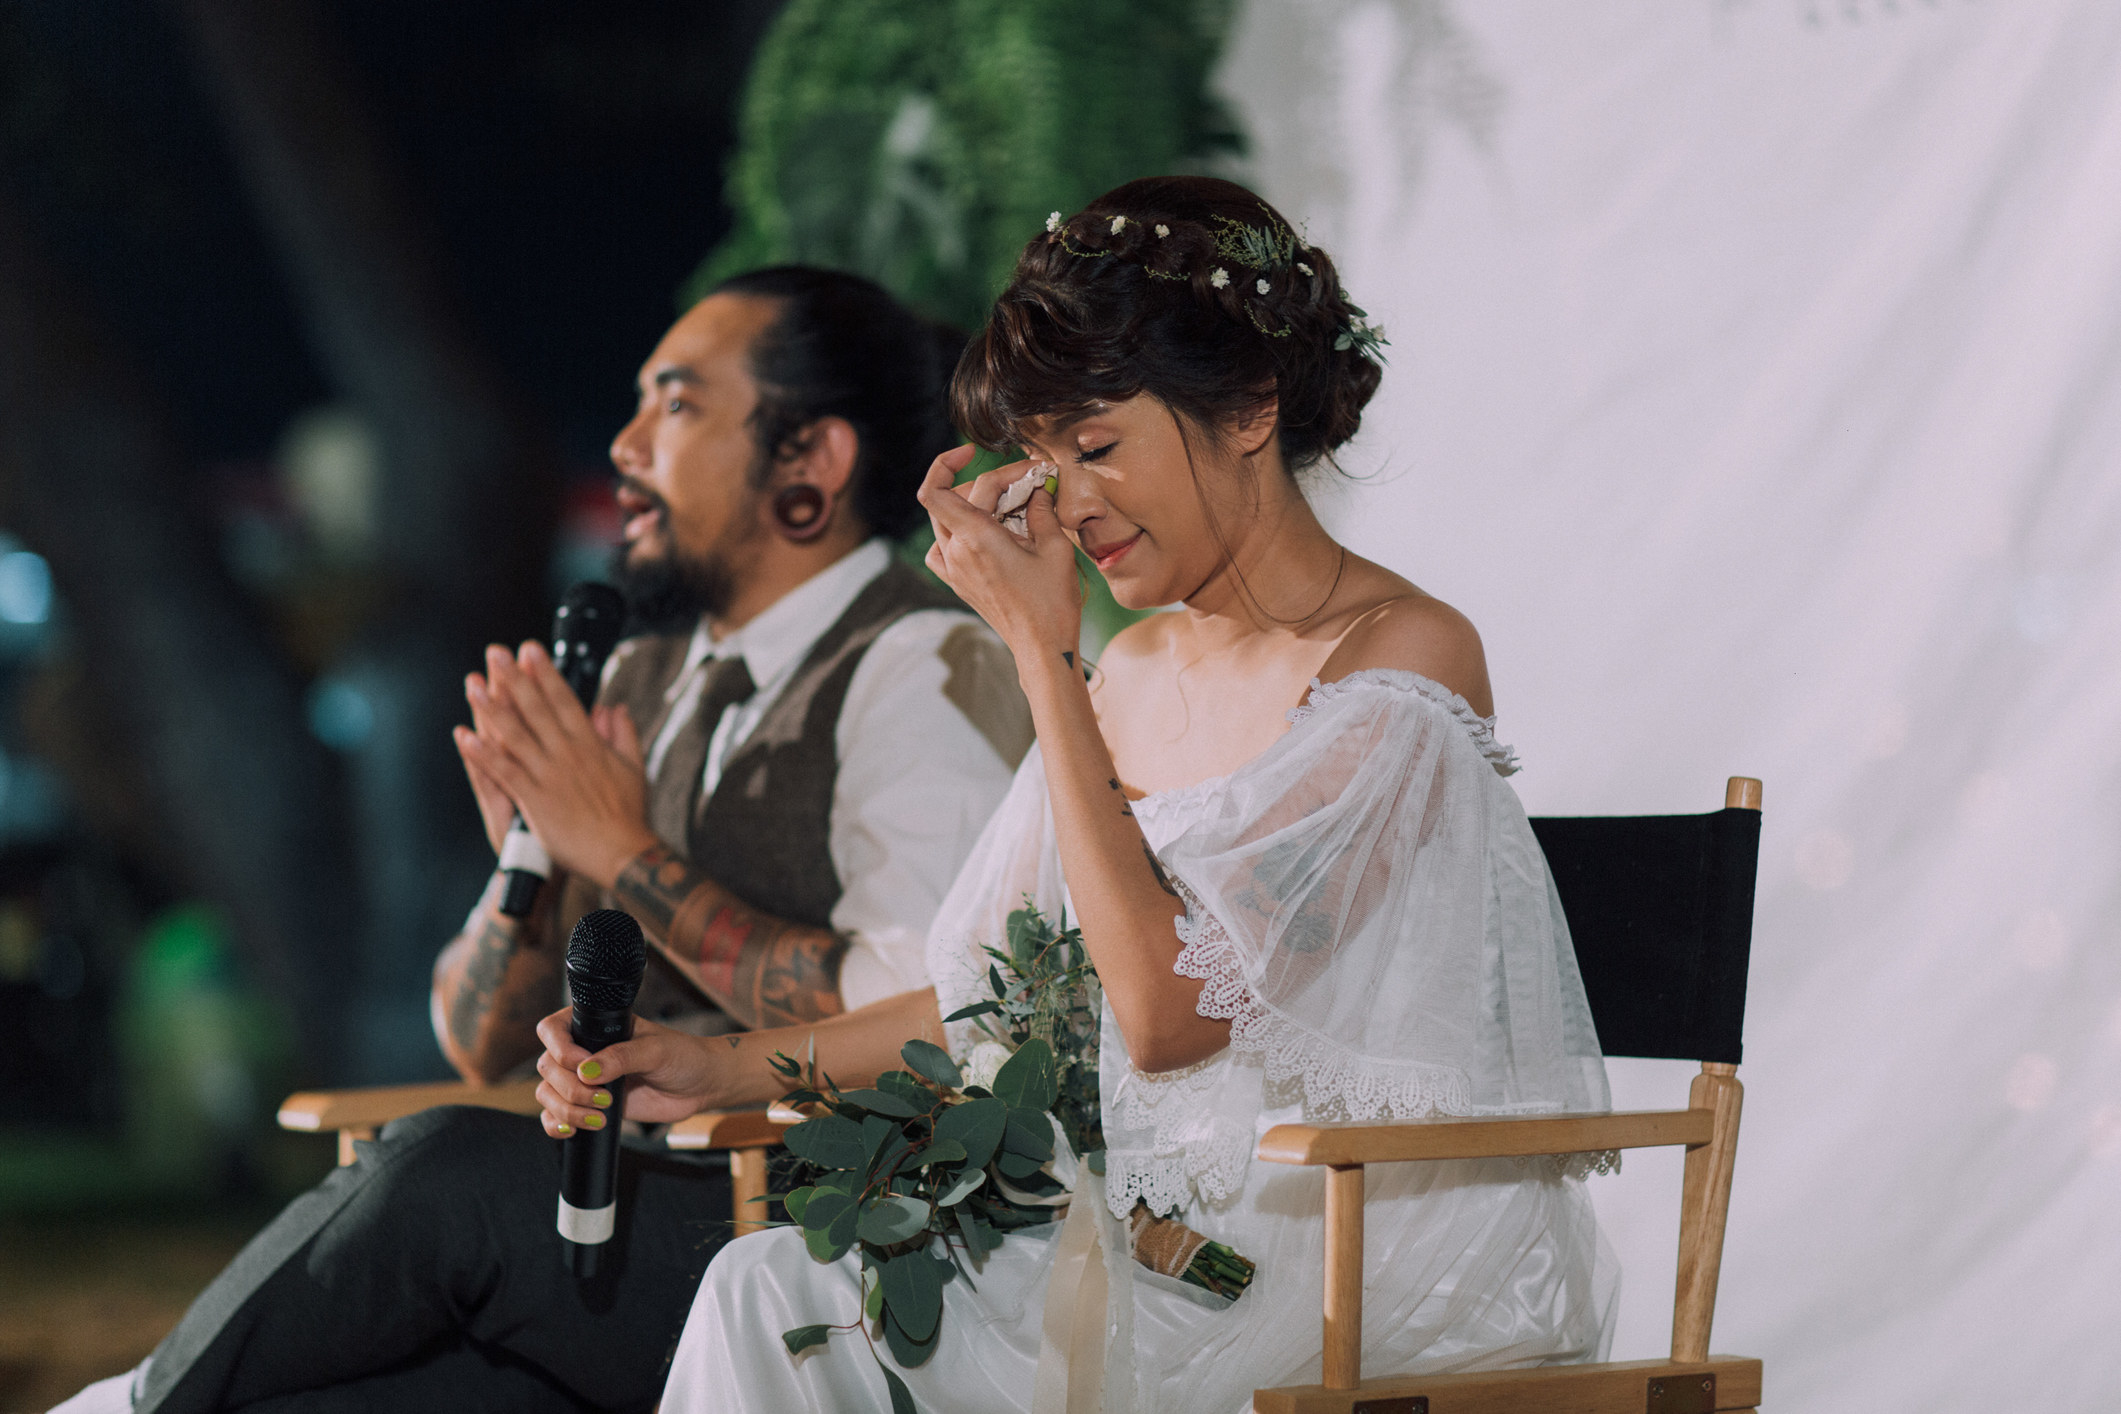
(931, 1168)
(921, 1172)
(1045, 990)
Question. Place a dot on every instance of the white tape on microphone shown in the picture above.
(520, 850)
(588, 1226)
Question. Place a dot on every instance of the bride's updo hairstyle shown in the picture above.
(1189, 289)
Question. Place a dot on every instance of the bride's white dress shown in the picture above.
(1371, 910)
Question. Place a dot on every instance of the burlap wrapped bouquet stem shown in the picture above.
(1163, 1245)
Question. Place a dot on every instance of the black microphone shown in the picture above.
(584, 631)
(605, 956)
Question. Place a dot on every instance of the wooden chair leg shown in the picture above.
(747, 1181)
(1705, 1203)
(347, 1137)
(1343, 1349)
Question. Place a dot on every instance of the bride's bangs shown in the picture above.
(1033, 363)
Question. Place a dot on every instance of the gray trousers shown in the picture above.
(428, 1275)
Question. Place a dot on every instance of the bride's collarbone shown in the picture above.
(1177, 733)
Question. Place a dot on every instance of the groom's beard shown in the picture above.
(669, 594)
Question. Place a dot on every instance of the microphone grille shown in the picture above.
(586, 627)
(606, 955)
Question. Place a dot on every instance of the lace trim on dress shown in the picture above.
(1481, 729)
(1334, 1084)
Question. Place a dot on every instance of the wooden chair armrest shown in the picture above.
(365, 1109)
(1342, 1145)
(727, 1129)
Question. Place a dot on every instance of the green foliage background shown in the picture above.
(922, 142)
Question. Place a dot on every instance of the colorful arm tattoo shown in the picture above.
(762, 970)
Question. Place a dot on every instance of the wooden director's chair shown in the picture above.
(746, 1135)
(1660, 909)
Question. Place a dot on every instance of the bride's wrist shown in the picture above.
(1044, 670)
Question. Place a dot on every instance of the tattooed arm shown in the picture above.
(493, 982)
(762, 970)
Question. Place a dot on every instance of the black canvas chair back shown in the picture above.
(1661, 911)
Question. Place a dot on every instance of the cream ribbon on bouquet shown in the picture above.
(1071, 1351)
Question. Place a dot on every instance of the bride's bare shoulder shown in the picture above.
(1417, 633)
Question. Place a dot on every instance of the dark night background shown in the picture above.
(541, 177)
(567, 158)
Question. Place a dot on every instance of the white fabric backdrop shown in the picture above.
(1753, 387)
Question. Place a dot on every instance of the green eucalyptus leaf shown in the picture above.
(901, 1397)
(878, 1102)
(976, 1124)
(803, 1337)
(876, 1133)
(873, 1303)
(957, 1192)
(1026, 1079)
(910, 1088)
(823, 1247)
(969, 1233)
(829, 1141)
(892, 1217)
(904, 1348)
(822, 1208)
(966, 1013)
(1018, 1165)
(913, 1289)
(932, 1061)
(1030, 1133)
(942, 1151)
(796, 1202)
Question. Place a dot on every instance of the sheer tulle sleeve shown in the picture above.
(1368, 907)
(1015, 859)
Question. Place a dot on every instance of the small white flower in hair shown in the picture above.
(1303, 267)
(1118, 224)
(1053, 222)
(1162, 231)
(1220, 278)
(1260, 285)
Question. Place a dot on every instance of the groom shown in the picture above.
(780, 786)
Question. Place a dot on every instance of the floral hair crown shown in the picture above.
(1268, 251)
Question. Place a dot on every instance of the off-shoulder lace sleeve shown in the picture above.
(1368, 908)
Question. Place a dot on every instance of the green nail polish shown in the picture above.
(591, 1069)
(601, 1099)
(1052, 484)
(565, 1129)
(593, 1120)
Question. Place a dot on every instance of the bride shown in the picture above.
(1279, 816)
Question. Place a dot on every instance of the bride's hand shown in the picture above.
(673, 1076)
(1025, 586)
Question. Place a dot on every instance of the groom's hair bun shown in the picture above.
(1190, 289)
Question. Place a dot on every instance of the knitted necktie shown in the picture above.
(676, 790)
